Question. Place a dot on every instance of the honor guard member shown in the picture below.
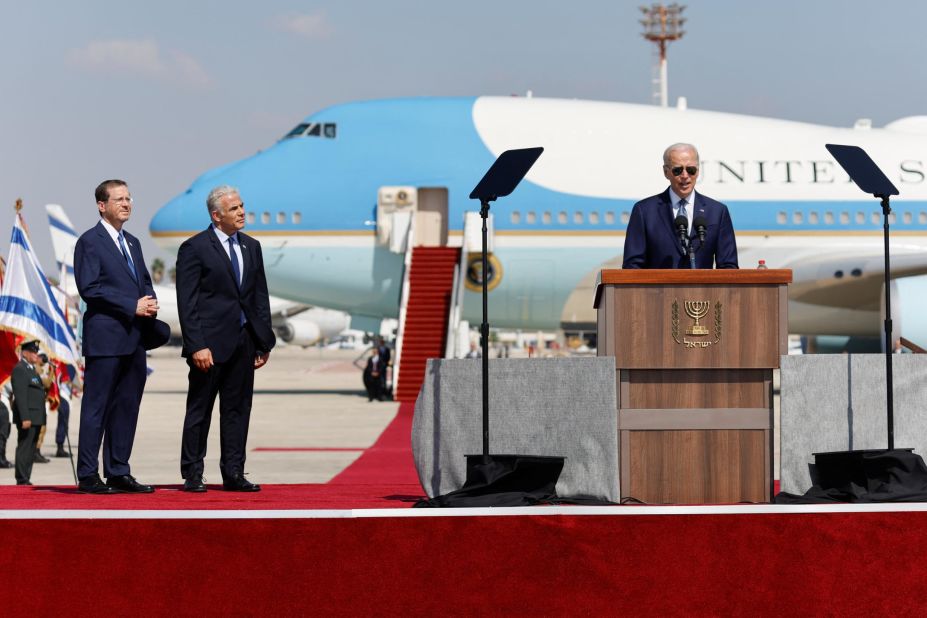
(28, 409)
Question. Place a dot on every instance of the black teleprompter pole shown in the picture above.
(889, 342)
(869, 178)
(500, 180)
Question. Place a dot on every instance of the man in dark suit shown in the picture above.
(28, 409)
(114, 282)
(652, 239)
(224, 312)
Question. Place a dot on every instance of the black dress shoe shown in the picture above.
(23, 483)
(128, 484)
(239, 483)
(61, 452)
(40, 458)
(5, 463)
(194, 485)
(94, 485)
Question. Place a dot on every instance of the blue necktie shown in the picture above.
(236, 270)
(232, 256)
(125, 254)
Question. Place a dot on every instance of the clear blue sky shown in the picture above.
(158, 92)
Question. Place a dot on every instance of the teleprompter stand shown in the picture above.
(874, 475)
(501, 480)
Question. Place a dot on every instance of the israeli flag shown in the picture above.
(27, 303)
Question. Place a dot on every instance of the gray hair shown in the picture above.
(212, 200)
(679, 146)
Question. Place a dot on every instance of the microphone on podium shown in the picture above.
(682, 230)
(700, 226)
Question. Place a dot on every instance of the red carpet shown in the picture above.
(809, 564)
(389, 460)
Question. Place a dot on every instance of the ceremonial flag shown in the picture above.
(27, 304)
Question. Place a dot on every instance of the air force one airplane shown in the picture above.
(294, 323)
(324, 200)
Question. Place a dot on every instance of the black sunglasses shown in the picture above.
(691, 170)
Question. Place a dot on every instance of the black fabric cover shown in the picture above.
(896, 475)
(505, 480)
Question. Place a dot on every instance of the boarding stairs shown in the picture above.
(424, 317)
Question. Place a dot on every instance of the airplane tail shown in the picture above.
(64, 238)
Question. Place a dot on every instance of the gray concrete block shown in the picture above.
(558, 407)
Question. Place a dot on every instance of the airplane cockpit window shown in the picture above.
(297, 131)
(313, 129)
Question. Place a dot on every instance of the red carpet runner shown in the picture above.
(430, 283)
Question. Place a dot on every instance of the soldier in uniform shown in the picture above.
(28, 409)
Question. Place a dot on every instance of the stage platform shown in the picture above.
(354, 546)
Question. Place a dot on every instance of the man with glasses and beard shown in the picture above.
(654, 238)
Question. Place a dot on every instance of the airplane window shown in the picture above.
(577, 217)
(876, 219)
(798, 217)
(907, 218)
(829, 218)
(625, 217)
(922, 218)
(561, 217)
(860, 218)
(530, 217)
(813, 218)
(844, 218)
(891, 218)
(516, 216)
(297, 131)
(250, 218)
(609, 218)
(265, 218)
(594, 218)
(315, 130)
(329, 129)
(545, 218)
(782, 218)
(281, 217)
(297, 217)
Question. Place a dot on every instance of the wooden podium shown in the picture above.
(695, 352)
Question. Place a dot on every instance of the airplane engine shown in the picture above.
(908, 295)
(301, 333)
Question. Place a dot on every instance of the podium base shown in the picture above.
(504, 480)
(877, 475)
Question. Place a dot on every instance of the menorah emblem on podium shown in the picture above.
(697, 309)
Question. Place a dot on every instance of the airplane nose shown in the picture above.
(179, 218)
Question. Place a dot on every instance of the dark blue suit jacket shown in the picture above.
(105, 282)
(209, 301)
(651, 241)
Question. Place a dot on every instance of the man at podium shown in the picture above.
(659, 223)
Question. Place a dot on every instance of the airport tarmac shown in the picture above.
(309, 399)
(310, 420)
